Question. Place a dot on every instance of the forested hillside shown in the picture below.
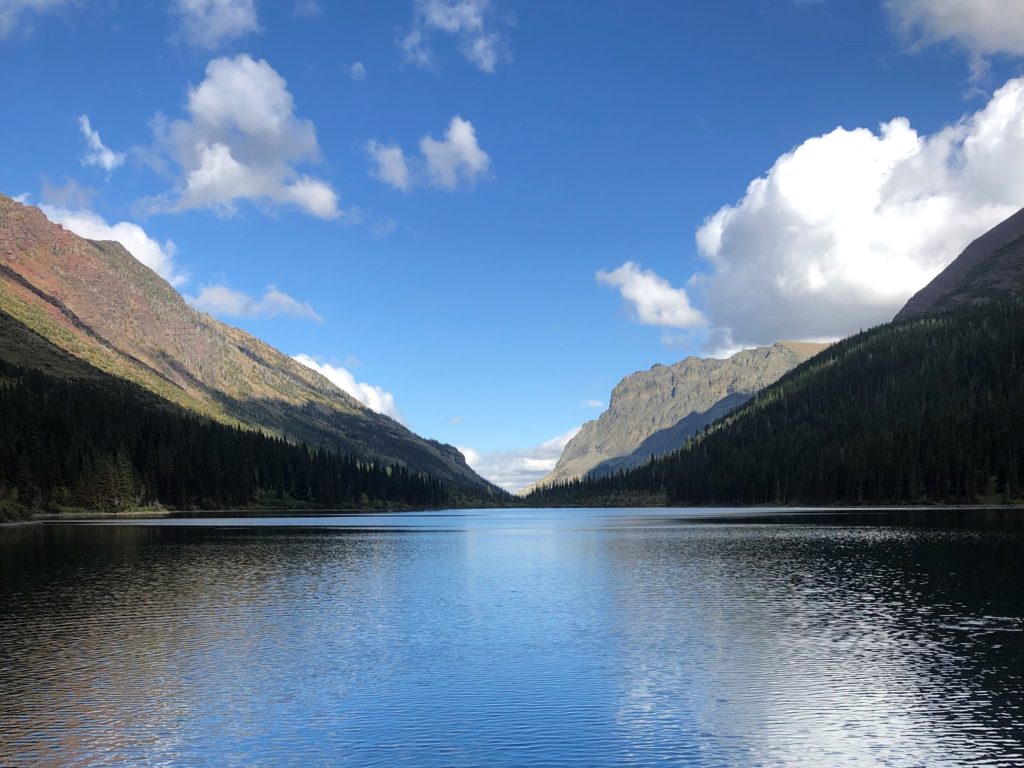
(94, 302)
(107, 445)
(922, 411)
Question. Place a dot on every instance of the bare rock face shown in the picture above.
(990, 267)
(69, 305)
(656, 411)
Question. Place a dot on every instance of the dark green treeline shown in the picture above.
(924, 411)
(103, 446)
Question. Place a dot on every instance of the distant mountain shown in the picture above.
(922, 411)
(71, 306)
(991, 267)
(657, 411)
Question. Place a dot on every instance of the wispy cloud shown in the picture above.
(13, 13)
(211, 23)
(227, 302)
(448, 163)
(99, 155)
(357, 71)
(514, 470)
(467, 21)
(981, 28)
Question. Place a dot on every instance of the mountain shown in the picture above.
(103, 444)
(82, 308)
(991, 267)
(657, 411)
(926, 410)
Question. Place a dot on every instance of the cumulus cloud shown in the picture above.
(514, 470)
(473, 457)
(464, 20)
(389, 164)
(374, 397)
(980, 27)
(242, 141)
(156, 255)
(227, 302)
(210, 23)
(448, 163)
(357, 71)
(842, 230)
(98, 155)
(654, 300)
(13, 12)
(456, 158)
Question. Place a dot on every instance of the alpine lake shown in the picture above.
(572, 637)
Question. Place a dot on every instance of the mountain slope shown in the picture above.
(991, 267)
(95, 302)
(921, 411)
(653, 412)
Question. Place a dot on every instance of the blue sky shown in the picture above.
(479, 215)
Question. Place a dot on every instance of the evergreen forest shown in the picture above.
(102, 445)
(923, 411)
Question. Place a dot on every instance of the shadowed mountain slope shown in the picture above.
(991, 267)
(921, 411)
(656, 411)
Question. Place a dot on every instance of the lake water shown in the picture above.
(515, 638)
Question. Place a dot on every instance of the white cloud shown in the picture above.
(383, 226)
(12, 12)
(99, 155)
(592, 404)
(242, 141)
(390, 164)
(980, 27)
(473, 458)
(209, 23)
(455, 160)
(457, 157)
(372, 396)
(465, 20)
(357, 71)
(514, 470)
(156, 255)
(23, 198)
(307, 9)
(842, 230)
(71, 195)
(655, 301)
(224, 301)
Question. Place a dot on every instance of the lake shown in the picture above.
(516, 638)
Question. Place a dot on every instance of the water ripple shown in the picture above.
(554, 641)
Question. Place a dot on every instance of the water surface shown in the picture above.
(515, 638)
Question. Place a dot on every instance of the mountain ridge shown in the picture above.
(94, 301)
(990, 267)
(646, 408)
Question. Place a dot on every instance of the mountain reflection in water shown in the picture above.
(515, 637)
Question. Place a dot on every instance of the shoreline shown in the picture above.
(161, 514)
